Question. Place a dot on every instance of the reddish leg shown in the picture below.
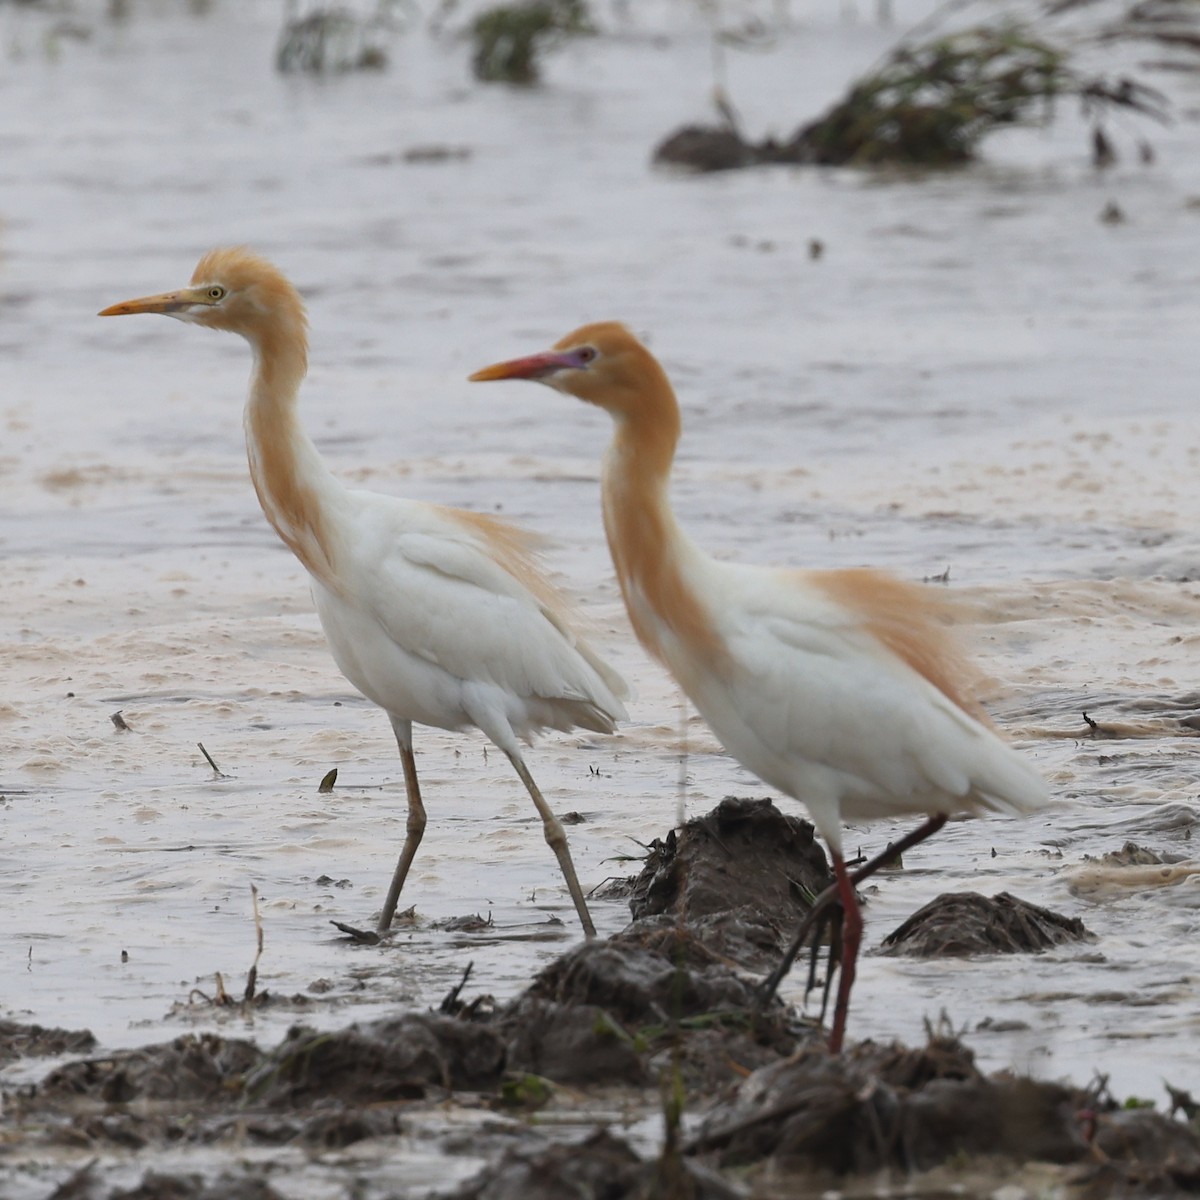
(769, 986)
(852, 928)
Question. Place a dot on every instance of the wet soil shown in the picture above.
(612, 1026)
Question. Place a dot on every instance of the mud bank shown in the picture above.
(637, 1066)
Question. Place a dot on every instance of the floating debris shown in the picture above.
(208, 758)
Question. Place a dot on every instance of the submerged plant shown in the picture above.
(509, 37)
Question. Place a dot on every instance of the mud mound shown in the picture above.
(191, 1068)
(85, 1185)
(1141, 1153)
(601, 1166)
(638, 985)
(572, 1044)
(595, 1015)
(385, 1060)
(960, 923)
(740, 878)
(707, 148)
(725, 892)
(32, 1041)
(881, 1106)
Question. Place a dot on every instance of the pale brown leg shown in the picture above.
(556, 839)
(415, 825)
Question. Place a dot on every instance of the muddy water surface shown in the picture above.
(977, 374)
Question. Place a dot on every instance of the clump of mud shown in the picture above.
(961, 923)
(404, 1058)
(659, 1019)
(879, 1106)
(889, 1106)
(613, 1011)
(739, 879)
(86, 1184)
(32, 1041)
(601, 1166)
(189, 1069)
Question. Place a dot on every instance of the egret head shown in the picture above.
(602, 363)
(231, 289)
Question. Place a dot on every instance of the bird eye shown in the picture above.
(216, 292)
(585, 354)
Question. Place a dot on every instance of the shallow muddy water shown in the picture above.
(977, 374)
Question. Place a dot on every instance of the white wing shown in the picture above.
(453, 623)
(815, 704)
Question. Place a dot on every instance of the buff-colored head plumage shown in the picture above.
(616, 371)
(255, 292)
(603, 364)
(236, 290)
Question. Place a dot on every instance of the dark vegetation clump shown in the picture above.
(508, 38)
(928, 105)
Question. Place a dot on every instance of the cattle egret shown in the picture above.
(439, 616)
(838, 688)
